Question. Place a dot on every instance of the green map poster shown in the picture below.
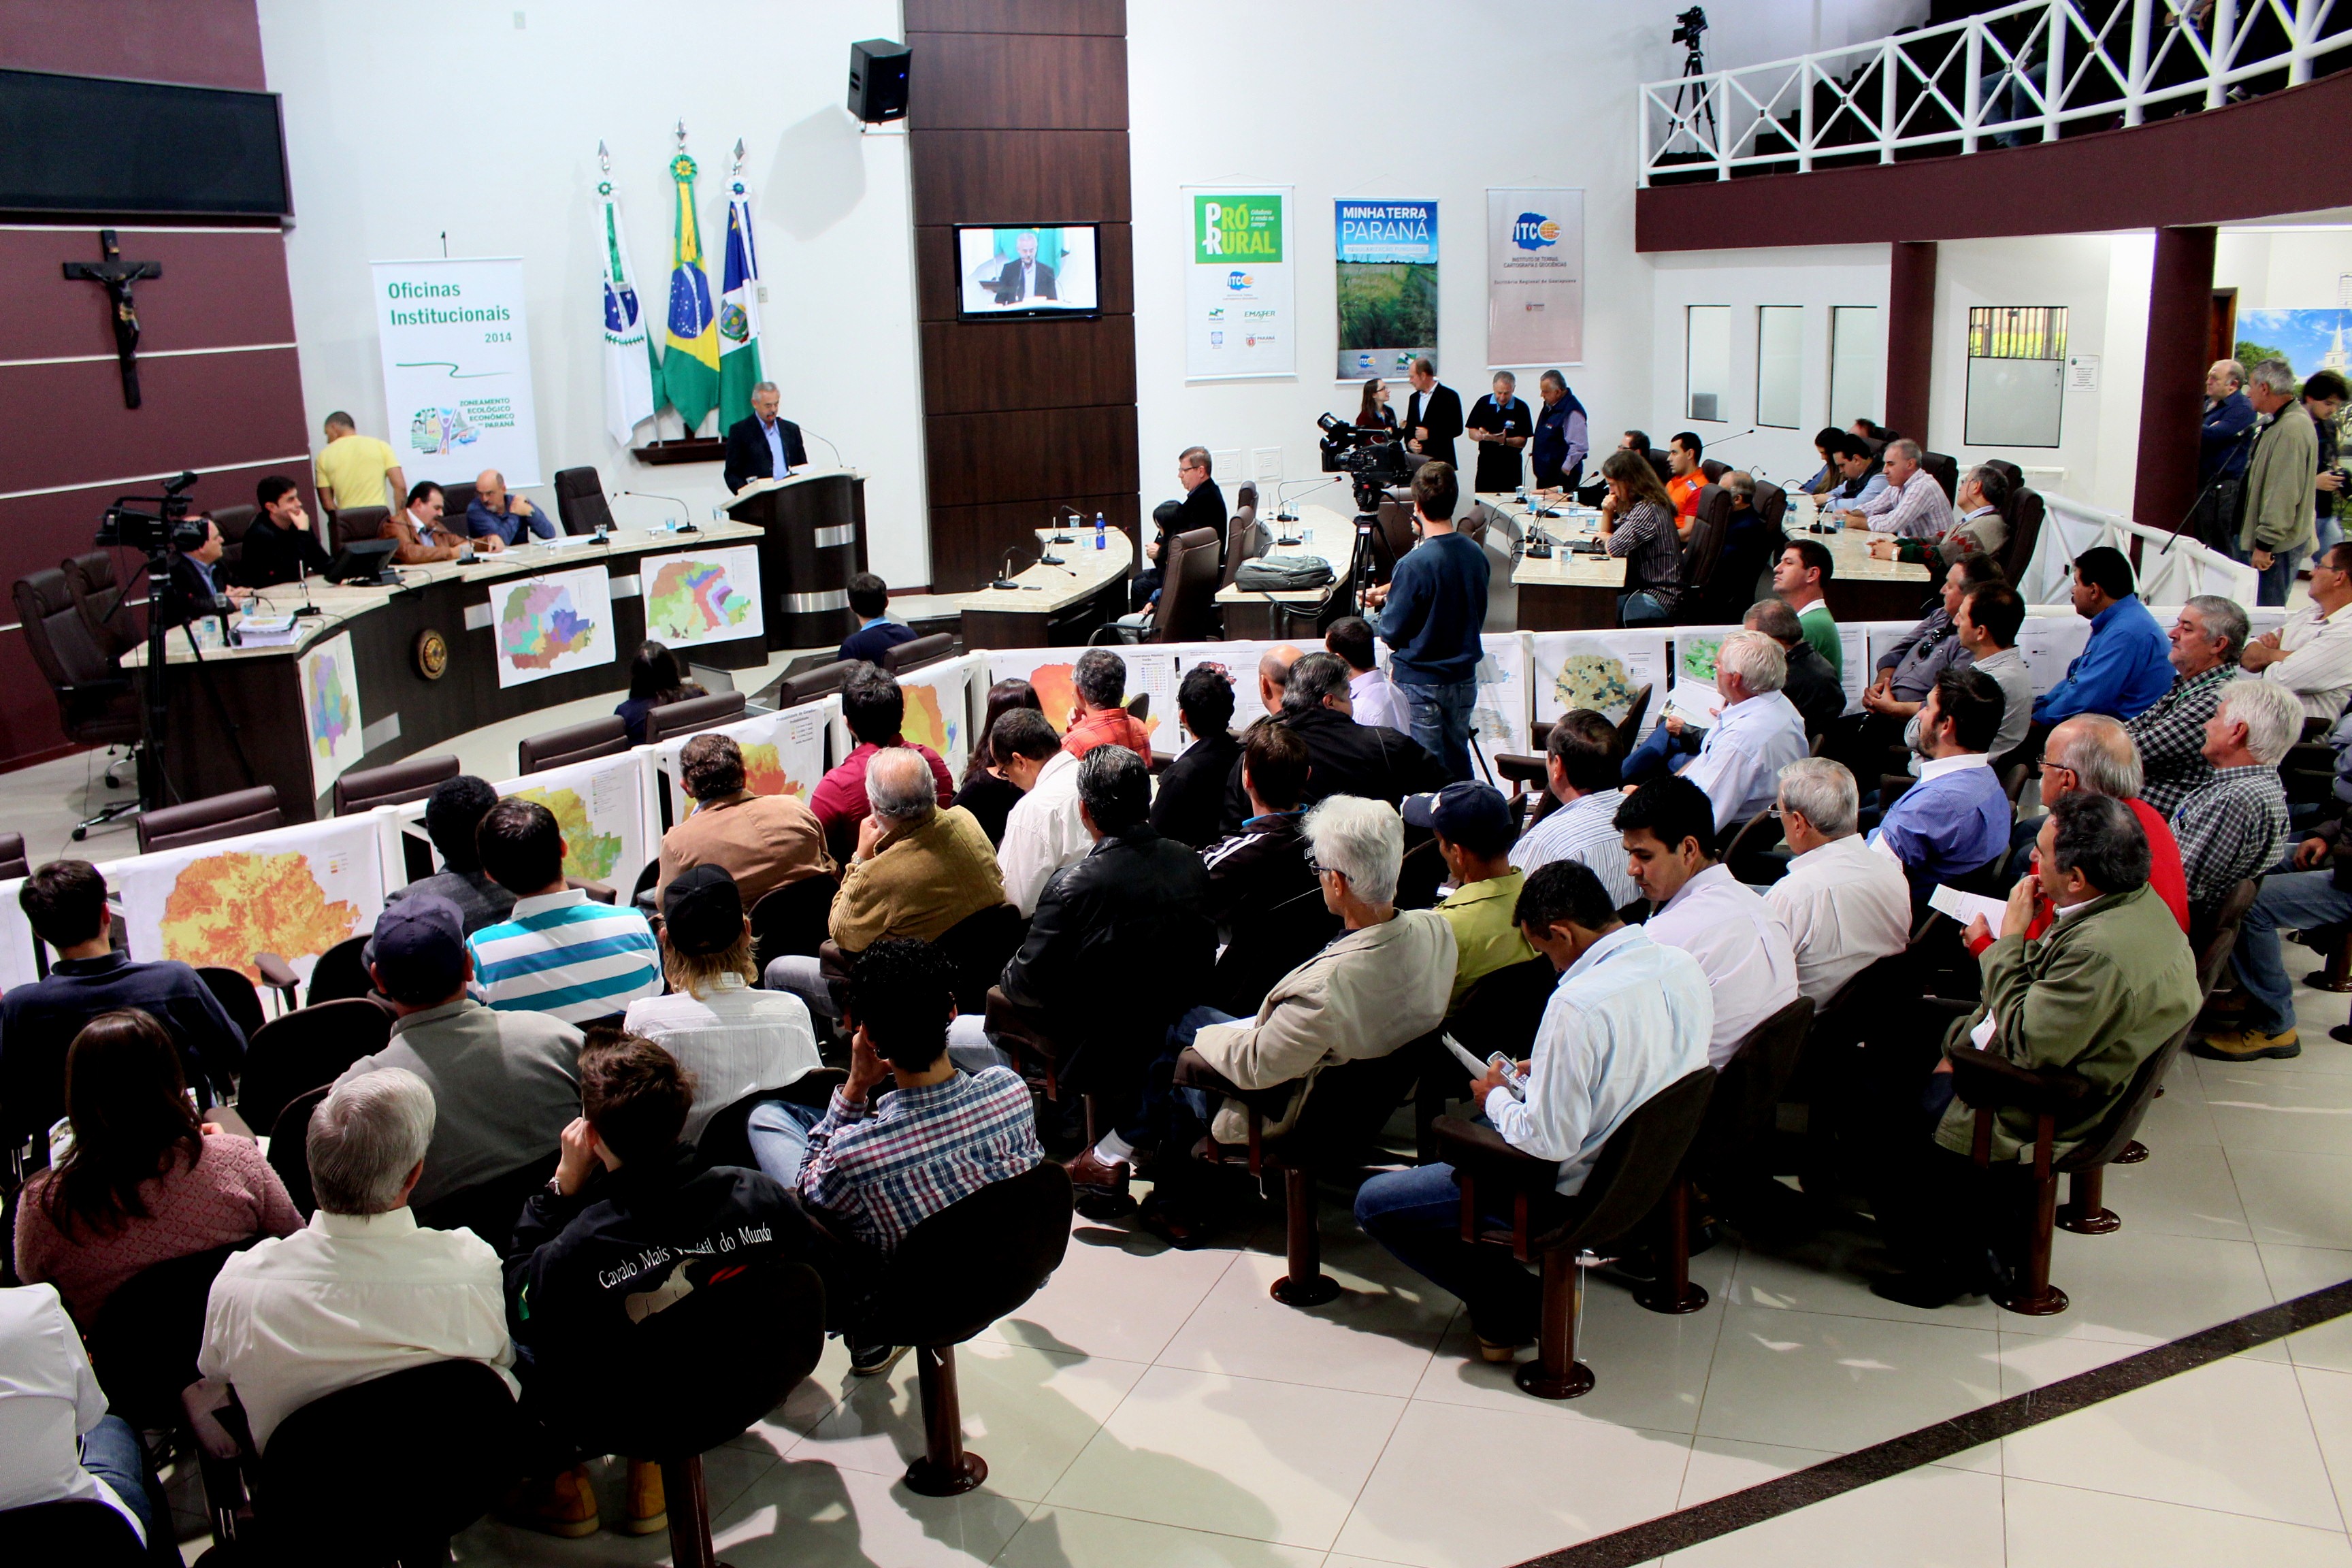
(1387, 261)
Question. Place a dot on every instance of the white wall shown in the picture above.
(405, 122)
(2286, 268)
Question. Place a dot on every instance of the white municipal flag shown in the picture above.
(738, 311)
(628, 350)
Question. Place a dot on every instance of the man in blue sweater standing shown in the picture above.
(2126, 666)
(1432, 610)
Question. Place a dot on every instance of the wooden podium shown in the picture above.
(813, 527)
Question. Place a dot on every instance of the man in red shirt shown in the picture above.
(875, 709)
(1101, 681)
(1687, 478)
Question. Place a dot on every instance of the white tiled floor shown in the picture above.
(1152, 1407)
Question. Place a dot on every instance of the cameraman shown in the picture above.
(196, 588)
(1432, 610)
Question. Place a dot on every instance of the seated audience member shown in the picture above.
(1043, 833)
(497, 514)
(1263, 894)
(559, 952)
(1740, 756)
(1740, 944)
(1801, 577)
(1099, 679)
(1865, 742)
(1370, 699)
(1861, 480)
(1120, 948)
(1580, 767)
(628, 1189)
(734, 1039)
(1845, 906)
(763, 841)
(424, 535)
(985, 792)
(1686, 478)
(2125, 667)
(655, 681)
(1191, 800)
(2208, 638)
(362, 1289)
(1637, 523)
(2234, 825)
(1826, 441)
(1812, 687)
(279, 544)
(1978, 526)
(62, 1445)
(876, 633)
(1346, 758)
(2102, 989)
(1954, 820)
(1629, 1016)
(1474, 832)
(507, 1081)
(2311, 654)
(452, 814)
(143, 1182)
(2311, 890)
(918, 871)
(875, 709)
(65, 901)
(2092, 753)
(1986, 628)
(1911, 506)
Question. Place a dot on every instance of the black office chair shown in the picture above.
(215, 818)
(792, 918)
(237, 996)
(354, 523)
(489, 1208)
(143, 1342)
(12, 856)
(606, 737)
(303, 1049)
(917, 652)
(580, 503)
(81, 1532)
(97, 703)
(115, 625)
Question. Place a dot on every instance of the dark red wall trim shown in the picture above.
(1911, 338)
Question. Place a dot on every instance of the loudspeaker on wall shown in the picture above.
(877, 80)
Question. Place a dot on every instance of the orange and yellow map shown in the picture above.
(1059, 698)
(763, 770)
(224, 909)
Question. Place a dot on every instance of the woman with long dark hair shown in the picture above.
(1374, 413)
(1637, 522)
(988, 794)
(654, 678)
(144, 1180)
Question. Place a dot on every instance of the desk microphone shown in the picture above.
(1060, 536)
(1004, 570)
(837, 451)
(1282, 512)
(302, 575)
(685, 526)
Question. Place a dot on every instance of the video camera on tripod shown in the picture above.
(161, 531)
(1373, 459)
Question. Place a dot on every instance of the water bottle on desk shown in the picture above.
(1102, 539)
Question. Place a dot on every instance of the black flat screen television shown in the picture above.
(1042, 269)
(102, 145)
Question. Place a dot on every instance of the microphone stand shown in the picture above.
(2211, 485)
(685, 512)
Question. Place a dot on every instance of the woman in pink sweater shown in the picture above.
(144, 1181)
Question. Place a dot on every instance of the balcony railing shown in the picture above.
(2035, 71)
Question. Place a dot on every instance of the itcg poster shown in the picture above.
(1239, 319)
(1386, 257)
(1535, 278)
(456, 369)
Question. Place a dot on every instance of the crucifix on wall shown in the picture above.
(116, 277)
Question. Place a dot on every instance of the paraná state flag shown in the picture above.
(690, 356)
(630, 368)
(739, 314)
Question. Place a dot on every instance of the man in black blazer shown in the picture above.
(1433, 417)
(1204, 506)
(1024, 277)
(763, 447)
(197, 586)
(279, 544)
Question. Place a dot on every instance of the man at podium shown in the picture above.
(763, 447)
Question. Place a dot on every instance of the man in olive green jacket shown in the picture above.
(2275, 532)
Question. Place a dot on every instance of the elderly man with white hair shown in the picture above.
(2208, 640)
(2276, 527)
(1761, 733)
(1845, 905)
(363, 1291)
(2235, 824)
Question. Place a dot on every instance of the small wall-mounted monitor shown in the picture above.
(1049, 269)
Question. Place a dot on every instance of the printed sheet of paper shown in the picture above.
(1600, 670)
(937, 711)
(703, 596)
(18, 945)
(552, 623)
(329, 676)
(294, 891)
(601, 806)
(1966, 906)
(784, 753)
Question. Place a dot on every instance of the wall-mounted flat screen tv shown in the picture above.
(1044, 269)
(96, 145)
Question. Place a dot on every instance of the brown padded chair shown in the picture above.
(1188, 599)
(2010, 471)
(394, 784)
(455, 499)
(810, 684)
(113, 625)
(355, 523)
(1771, 503)
(1702, 599)
(12, 856)
(2025, 509)
(97, 704)
(232, 521)
(1244, 539)
(226, 816)
(692, 715)
(918, 652)
(1713, 470)
(580, 503)
(606, 737)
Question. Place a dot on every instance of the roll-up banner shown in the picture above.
(456, 369)
(1535, 278)
(1387, 265)
(1239, 317)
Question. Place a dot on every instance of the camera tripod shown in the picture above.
(156, 787)
(1701, 106)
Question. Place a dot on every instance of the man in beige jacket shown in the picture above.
(2276, 533)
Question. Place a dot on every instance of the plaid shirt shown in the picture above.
(883, 1166)
(2171, 738)
(1645, 535)
(2231, 829)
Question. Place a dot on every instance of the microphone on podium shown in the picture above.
(837, 451)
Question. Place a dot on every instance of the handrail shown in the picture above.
(2022, 73)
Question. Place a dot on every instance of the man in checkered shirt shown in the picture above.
(2235, 825)
(2208, 636)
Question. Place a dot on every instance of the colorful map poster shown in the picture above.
(937, 712)
(705, 597)
(552, 623)
(294, 891)
(1154, 671)
(18, 945)
(330, 678)
(784, 753)
(600, 807)
(1498, 723)
(1600, 670)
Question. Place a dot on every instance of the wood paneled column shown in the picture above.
(2172, 377)
(1910, 337)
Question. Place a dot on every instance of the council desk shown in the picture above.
(1048, 606)
(405, 707)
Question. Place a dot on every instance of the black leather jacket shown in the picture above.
(1344, 757)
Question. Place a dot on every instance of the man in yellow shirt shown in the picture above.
(353, 470)
(1474, 836)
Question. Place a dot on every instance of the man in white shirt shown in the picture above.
(1629, 1018)
(362, 1291)
(1370, 698)
(1912, 506)
(57, 1441)
(1580, 764)
(1844, 905)
(1043, 833)
(2311, 655)
(1760, 732)
(1702, 909)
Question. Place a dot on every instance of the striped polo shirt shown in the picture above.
(568, 956)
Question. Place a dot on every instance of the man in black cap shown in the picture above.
(1474, 837)
(505, 1084)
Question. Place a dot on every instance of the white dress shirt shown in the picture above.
(2318, 666)
(1739, 943)
(1739, 764)
(1844, 908)
(1584, 830)
(1629, 1018)
(736, 1039)
(1374, 701)
(1042, 833)
(48, 1398)
(350, 1298)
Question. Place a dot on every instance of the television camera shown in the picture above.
(164, 529)
(1373, 460)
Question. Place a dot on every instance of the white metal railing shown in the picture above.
(2019, 74)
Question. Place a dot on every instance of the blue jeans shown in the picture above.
(1642, 608)
(2331, 534)
(1440, 716)
(2294, 900)
(1416, 1216)
(2270, 587)
(110, 1451)
(778, 1132)
(1658, 755)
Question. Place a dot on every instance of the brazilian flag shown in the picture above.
(690, 364)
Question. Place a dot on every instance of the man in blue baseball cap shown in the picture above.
(1474, 832)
